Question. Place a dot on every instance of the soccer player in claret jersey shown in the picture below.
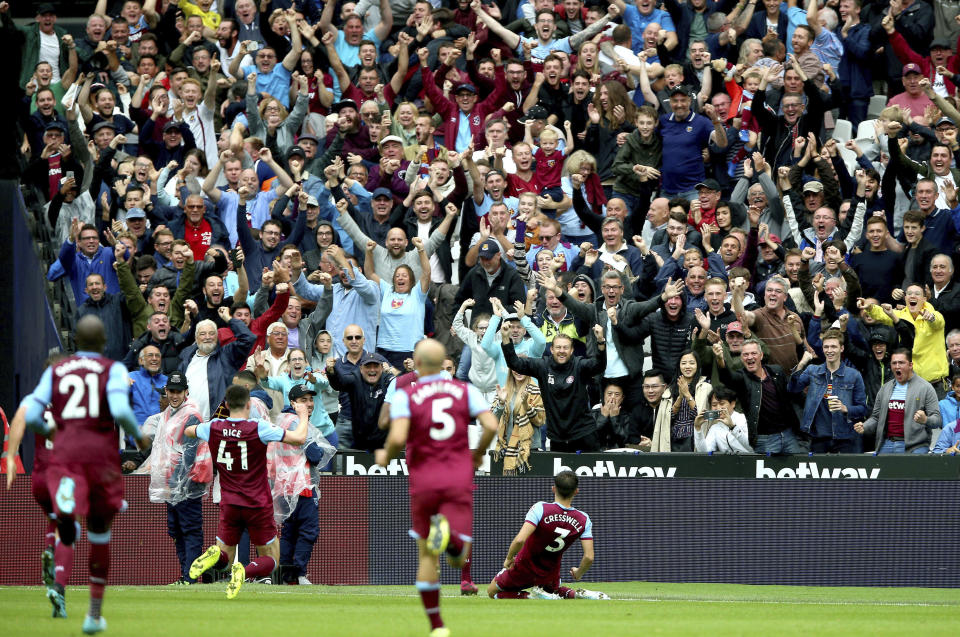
(42, 451)
(87, 394)
(533, 560)
(239, 448)
(431, 418)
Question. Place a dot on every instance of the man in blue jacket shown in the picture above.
(835, 399)
(208, 367)
(82, 255)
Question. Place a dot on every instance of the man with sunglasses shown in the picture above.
(550, 240)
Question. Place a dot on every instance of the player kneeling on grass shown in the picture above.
(239, 445)
(533, 560)
(431, 418)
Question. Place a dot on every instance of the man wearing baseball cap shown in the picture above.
(35, 35)
(181, 469)
(913, 96)
(686, 134)
(367, 390)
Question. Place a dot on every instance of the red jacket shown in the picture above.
(908, 55)
(450, 112)
(260, 324)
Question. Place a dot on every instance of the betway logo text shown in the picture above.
(811, 470)
(610, 469)
(396, 467)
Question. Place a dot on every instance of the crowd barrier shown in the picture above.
(888, 529)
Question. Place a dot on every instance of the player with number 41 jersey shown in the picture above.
(239, 448)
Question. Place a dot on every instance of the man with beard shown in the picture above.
(208, 367)
(905, 411)
(563, 380)
(213, 299)
(160, 335)
(261, 254)
(395, 254)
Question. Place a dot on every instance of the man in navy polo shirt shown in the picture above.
(686, 134)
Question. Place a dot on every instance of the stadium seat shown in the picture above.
(865, 130)
(843, 130)
(877, 104)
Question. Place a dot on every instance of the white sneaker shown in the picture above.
(583, 593)
(538, 593)
(303, 581)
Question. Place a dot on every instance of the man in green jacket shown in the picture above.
(41, 36)
(141, 308)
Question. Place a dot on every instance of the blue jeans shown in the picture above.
(344, 431)
(779, 444)
(898, 446)
(185, 526)
(689, 195)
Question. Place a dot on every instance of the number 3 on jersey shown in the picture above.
(444, 424)
(560, 541)
(226, 459)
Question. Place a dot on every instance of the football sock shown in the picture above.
(430, 596)
(261, 567)
(51, 536)
(512, 595)
(63, 562)
(465, 571)
(566, 593)
(223, 561)
(455, 545)
(99, 568)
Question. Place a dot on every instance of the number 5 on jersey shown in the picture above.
(444, 424)
(226, 458)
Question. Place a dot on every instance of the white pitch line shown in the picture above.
(266, 591)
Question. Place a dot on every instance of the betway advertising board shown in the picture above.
(666, 466)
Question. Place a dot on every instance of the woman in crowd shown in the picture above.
(519, 407)
(689, 393)
(580, 173)
(402, 306)
(483, 369)
(299, 373)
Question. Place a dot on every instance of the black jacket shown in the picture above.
(564, 390)
(507, 286)
(112, 310)
(669, 338)
(948, 304)
(631, 352)
(749, 390)
(169, 350)
(366, 401)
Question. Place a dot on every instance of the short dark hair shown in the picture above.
(238, 306)
(654, 373)
(914, 216)
(676, 215)
(679, 201)
(877, 220)
(721, 392)
(905, 351)
(247, 376)
(237, 397)
(566, 483)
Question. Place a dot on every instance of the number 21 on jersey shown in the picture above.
(225, 458)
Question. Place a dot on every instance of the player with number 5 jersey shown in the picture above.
(239, 448)
(431, 418)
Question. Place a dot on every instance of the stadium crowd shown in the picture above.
(701, 226)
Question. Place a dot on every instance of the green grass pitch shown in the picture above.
(637, 608)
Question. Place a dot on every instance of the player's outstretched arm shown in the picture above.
(585, 562)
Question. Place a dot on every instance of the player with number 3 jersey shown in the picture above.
(239, 448)
(533, 560)
(431, 418)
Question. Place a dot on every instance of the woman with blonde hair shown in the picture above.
(580, 175)
(403, 124)
(271, 118)
(519, 408)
